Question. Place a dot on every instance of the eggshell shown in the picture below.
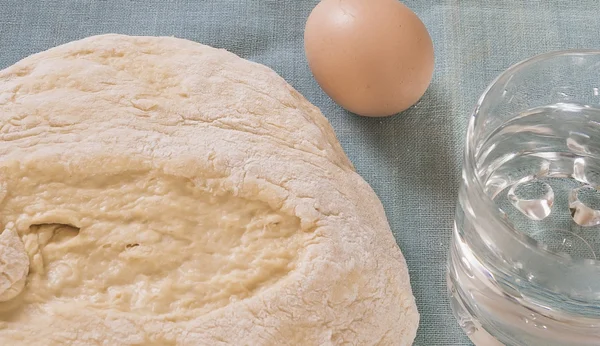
(372, 57)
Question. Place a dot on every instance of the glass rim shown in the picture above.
(470, 168)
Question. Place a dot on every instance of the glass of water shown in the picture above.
(524, 264)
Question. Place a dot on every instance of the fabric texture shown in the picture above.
(411, 160)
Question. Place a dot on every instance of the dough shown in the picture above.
(156, 191)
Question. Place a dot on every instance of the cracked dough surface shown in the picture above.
(156, 191)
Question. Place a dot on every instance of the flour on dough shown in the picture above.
(157, 191)
(14, 265)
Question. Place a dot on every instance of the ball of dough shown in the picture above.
(143, 177)
(374, 58)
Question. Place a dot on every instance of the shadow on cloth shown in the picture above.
(412, 160)
(418, 145)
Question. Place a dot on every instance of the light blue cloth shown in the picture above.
(411, 160)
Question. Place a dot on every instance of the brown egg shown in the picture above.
(372, 57)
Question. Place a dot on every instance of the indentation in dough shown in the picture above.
(54, 232)
(150, 244)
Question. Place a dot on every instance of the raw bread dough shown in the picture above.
(156, 191)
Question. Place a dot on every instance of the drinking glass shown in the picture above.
(523, 265)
